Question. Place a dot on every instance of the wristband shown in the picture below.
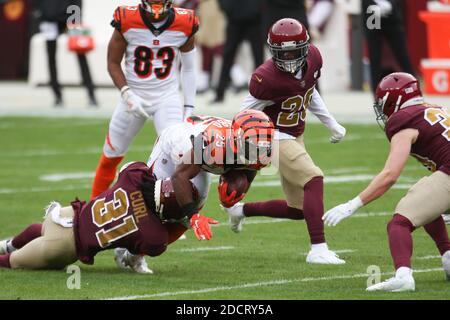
(123, 90)
(189, 209)
(356, 203)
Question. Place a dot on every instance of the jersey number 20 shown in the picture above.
(143, 62)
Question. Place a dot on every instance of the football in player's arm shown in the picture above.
(253, 127)
(152, 38)
(129, 215)
(422, 130)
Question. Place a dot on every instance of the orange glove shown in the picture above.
(201, 226)
(228, 200)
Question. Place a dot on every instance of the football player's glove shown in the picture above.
(136, 105)
(337, 133)
(201, 226)
(333, 216)
(228, 200)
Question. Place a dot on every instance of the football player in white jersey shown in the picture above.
(199, 147)
(154, 38)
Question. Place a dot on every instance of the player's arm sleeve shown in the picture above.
(116, 23)
(320, 110)
(250, 102)
(396, 123)
(188, 77)
(258, 97)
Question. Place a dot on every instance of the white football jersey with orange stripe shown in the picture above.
(152, 55)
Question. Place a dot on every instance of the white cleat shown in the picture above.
(235, 216)
(446, 218)
(403, 281)
(4, 247)
(446, 264)
(182, 237)
(323, 257)
(125, 259)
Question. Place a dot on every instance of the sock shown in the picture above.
(29, 234)
(403, 272)
(273, 209)
(313, 210)
(175, 231)
(319, 247)
(105, 174)
(400, 240)
(438, 232)
(4, 261)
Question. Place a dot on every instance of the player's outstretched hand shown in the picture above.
(337, 133)
(201, 226)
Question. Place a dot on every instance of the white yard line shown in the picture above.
(67, 176)
(45, 189)
(201, 249)
(256, 285)
(50, 152)
(428, 257)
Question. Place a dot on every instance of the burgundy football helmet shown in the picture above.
(166, 205)
(158, 9)
(289, 44)
(392, 92)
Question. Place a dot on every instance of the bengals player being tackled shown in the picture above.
(190, 152)
(129, 215)
(284, 88)
(415, 128)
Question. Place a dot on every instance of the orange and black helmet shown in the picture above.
(253, 133)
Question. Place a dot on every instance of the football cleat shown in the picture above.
(4, 247)
(323, 257)
(446, 264)
(235, 216)
(125, 259)
(446, 218)
(403, 281)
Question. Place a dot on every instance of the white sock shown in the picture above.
(9, 247)
(403, 271)
(319, 247)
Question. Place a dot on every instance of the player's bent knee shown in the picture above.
(157, 250)
(114, 151)
(399, 220)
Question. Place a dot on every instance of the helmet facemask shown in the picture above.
(254, 149)
(289, 56)
(158, 10)
(381, 117)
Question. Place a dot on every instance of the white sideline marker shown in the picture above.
(256, 285)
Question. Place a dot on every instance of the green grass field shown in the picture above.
(265, 261)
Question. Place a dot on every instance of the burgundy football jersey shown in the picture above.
(119, 218)
(291, 96)
(432, 147)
